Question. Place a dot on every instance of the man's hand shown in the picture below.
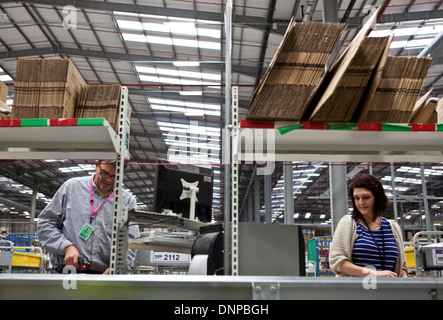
(71, 256)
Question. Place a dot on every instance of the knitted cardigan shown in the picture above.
(343, 243)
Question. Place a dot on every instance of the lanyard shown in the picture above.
(94, 211)
(382, 258)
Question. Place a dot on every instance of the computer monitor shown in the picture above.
(271, 249)
(169, 187)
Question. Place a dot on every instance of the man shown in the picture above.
(78, 220)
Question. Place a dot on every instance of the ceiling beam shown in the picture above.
(132, 58)
(260, 23)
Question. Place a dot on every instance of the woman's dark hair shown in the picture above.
(374, 185)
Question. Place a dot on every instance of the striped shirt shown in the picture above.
(366, 253)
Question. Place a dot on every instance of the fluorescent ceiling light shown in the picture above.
(186, 63)
(177, 81)
(191, 93)
(80, 167)
(187, 107)
(189, 129)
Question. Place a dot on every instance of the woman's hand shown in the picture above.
(384, 274)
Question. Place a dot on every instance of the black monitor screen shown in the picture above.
(168, 189)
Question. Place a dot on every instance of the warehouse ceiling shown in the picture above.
(171, 56)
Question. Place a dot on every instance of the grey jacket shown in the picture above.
(61, 221)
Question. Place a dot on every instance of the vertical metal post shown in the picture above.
(256, 199)
(227, 145)
(288, 173)
(119, 234)
(268, 197)
(425, 198)
(394, 193)
(234, 182)
(338, 189)
(250, 210)
(33, 207)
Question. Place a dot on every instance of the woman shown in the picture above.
(364, 242)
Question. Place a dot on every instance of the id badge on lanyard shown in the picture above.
(88, 229)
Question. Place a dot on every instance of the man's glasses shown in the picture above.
(105, 174)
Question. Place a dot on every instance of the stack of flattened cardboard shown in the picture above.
(340, 102)
(5, 111)
(297, 67)
(397, 90)
(26, 89)
(99, 101)
(46, 88)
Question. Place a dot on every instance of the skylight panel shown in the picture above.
(133, 37)
(159, 40)
(414, 43)
(156, 27)
(430, 30)
(398, 44)
(5, 77)
(419, 43)
(176, 28)
(129, 25)
(179, 73)
(182, 28)
(189, 107)
(403, 32)
(380, 33)
(213, 45)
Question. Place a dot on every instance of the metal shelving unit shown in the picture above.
(298, 141)
(77, 139)
(267, 142)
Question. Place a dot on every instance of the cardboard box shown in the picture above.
(61, 84)
(100, 101)
(46, 88)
